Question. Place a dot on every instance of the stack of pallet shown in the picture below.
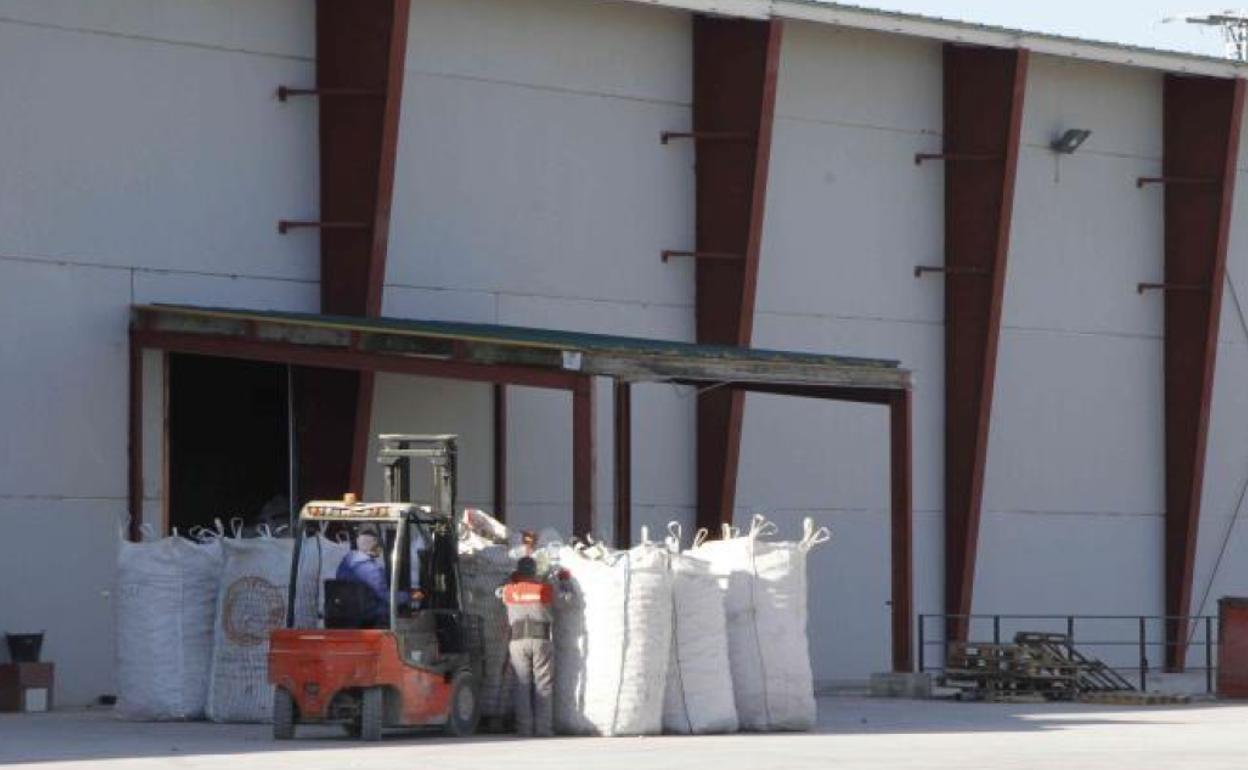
(1036, 666)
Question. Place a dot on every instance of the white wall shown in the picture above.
(143, 158)
(1075, 470)
(849, 215)
(532, 190)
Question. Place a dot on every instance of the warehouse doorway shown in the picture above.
(228, 441)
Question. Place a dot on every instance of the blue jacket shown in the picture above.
(370, 571)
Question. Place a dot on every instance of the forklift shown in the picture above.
(396, 654)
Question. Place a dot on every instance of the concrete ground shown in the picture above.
(853, 733)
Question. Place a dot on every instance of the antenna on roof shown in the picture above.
(1234, 26)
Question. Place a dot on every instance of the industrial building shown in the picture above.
(1064, 428)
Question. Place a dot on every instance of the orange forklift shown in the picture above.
(414, 663)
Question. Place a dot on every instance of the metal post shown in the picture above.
(623, 465)
(1143, 654)
(292, 492)
(996, 629)
(1070, 629)
(500, 452)
(1209, 654)
(922, 642)
(583, 463)
(135, 426)
(901, 528)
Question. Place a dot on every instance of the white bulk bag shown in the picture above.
(166, 600)
(483, 567)
(699, 697)
(613, 641)
(765, 593)
(251, 603)
(481, 523)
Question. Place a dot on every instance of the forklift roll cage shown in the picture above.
(438, 520)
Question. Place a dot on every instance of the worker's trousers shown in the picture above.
(533, 661)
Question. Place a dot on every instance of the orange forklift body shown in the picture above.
(315, 665)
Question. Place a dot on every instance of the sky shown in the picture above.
(1133, 23)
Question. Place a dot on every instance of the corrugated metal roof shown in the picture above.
(955, 30)
(522, 336)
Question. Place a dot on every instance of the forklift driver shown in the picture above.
(364, 565)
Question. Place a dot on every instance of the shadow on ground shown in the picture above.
(95, 734)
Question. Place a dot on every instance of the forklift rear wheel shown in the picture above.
(283, 715)
(465, 709)
(372, 713)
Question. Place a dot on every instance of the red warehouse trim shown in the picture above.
(360, 48)
(735, 67)
(1200, 137)
(983, 98)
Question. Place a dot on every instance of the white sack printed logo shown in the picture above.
(253, 608)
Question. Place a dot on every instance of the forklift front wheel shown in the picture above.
(372, 713)
(283, 715)
(465, 709)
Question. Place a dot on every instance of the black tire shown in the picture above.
(283, 715)
(372, 713)
(465, 706)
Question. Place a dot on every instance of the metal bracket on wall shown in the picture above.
(1143, 287)
(667, 254)
(707, 136)
(285, 225)
(919, 270)
(1141, 181)
(285, 92)
(919, 157)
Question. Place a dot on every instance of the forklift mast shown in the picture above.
(440, 529)
(397, 452)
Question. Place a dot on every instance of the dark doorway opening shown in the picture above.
(229, 448)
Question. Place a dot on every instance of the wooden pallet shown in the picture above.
(1035, 666)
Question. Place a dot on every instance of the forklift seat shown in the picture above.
(350, 604)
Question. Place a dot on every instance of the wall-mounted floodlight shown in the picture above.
(1070, 140)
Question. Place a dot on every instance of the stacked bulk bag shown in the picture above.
(765, 589)
(613, 641)
(699, 696)
(483, 567)
(570, 645)
(166, 600)
(250, 604)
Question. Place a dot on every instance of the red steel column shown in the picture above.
(583, 459)
(902, 527)
(360, 50)
(135, 444)
(500, 452)
(735, 67)
(1200, 127)
(983, 103)
(623, 464)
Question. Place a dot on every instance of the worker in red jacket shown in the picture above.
(529, 603)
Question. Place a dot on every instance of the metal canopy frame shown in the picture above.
(552, 360)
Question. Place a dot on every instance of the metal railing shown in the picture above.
(1143, 633)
